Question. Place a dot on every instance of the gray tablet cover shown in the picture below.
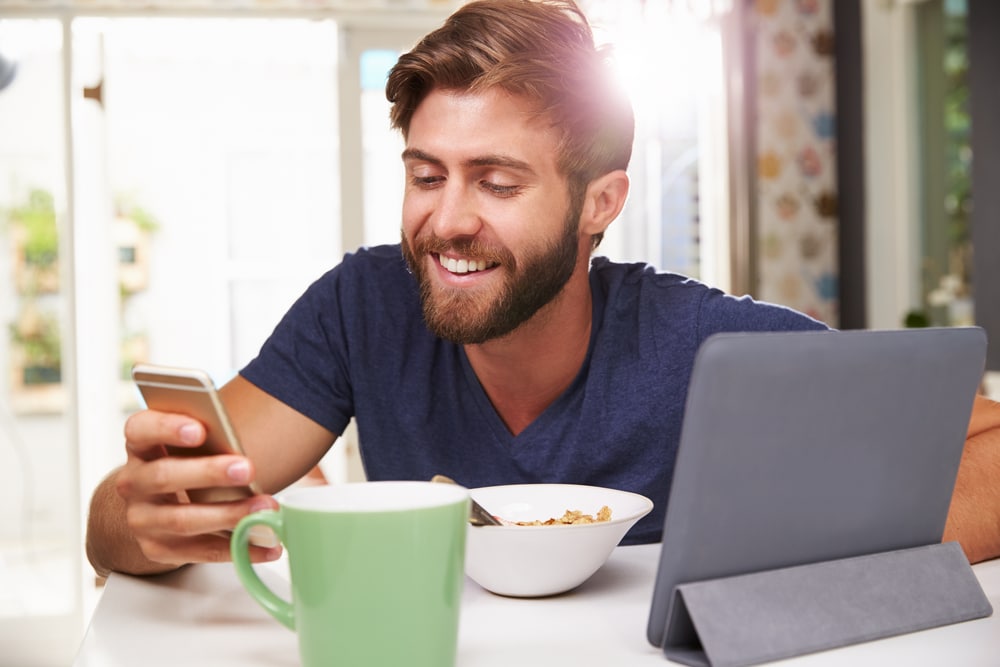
(802, 447)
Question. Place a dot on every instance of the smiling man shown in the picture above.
(512, 217)
(490, 345)
(465, 208)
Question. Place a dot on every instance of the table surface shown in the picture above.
(201, 615)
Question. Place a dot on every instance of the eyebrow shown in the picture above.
(495, 160)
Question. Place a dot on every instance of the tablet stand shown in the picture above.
(764, 616)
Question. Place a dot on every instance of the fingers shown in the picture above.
(178, 533)
(190, 519)
(171, 474)
(202, 549)
(148, 431)
(166, 530)
(150, 472)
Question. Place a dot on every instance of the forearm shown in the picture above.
(974, 517)
(110, 544)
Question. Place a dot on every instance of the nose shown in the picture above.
(455, 213)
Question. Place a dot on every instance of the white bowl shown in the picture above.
(532, 561)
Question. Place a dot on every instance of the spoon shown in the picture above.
(477, 515)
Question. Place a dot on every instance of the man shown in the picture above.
(488, 346)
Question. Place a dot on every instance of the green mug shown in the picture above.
(377, 571)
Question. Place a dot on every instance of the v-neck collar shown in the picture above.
(492, 418)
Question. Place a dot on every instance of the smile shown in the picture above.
(453, 265)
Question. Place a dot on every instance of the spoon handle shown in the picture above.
(477, 515)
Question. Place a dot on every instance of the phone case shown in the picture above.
(191, 392)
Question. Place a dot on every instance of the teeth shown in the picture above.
(462, 265)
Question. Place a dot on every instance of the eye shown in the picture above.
(426, 182)
(500, 190)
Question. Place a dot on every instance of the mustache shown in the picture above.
(472, 248)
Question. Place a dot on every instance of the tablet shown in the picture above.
(800, 447)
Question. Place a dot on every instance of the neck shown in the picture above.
(525, 371)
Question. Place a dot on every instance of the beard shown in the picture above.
(470, 317)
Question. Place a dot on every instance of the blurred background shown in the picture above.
(174, 174)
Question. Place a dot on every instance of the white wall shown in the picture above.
(892, 223)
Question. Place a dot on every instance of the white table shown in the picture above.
(201, 616)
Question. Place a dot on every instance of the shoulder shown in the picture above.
(381, 261)
(370, 270)
(670, 297)
(625, 280)
(369, 290)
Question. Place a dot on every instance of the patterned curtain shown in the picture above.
(796, 156)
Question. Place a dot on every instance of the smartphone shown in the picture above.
(191, 392)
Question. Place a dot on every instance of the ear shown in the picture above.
(603, 202)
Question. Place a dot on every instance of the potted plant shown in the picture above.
(37, 342)
(35, 334)
(36, 238)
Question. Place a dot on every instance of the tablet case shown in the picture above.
(755, 618)
(806, 447)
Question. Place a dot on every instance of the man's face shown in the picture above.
(488, 229)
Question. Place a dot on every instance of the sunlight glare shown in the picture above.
(662, 53)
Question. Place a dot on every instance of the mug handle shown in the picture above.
(239, 548)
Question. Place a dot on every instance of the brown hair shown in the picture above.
(542, 50)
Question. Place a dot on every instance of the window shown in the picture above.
(946, 165)
(168, 196)
(205, 199)
(40, 593)
(670, 59)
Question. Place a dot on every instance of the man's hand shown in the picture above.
(139, 522)
(166, 530)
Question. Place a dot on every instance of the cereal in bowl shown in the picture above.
(572, 517)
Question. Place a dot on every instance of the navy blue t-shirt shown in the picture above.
(355, 345)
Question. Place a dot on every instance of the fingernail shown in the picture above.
(190, 433)
(239, 471)
(274, 553)
(260, 506)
